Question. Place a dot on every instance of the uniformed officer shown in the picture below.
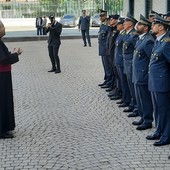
(111, 38)
(159, 81)
(125, 100)
(102, 38)
(141, 58)
(167, 15)
(151, 15)
(128, 48)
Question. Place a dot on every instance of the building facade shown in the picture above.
(137, 7)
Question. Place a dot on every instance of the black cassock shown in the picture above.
(7, 120)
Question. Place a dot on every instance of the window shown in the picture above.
(131, 7)
(148, 7)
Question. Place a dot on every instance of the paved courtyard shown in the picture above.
(66, 122)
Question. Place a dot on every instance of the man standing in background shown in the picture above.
(44, 23)
(84, 26)
(38, 25)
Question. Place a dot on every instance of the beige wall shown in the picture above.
(160, 6)
(139, 8)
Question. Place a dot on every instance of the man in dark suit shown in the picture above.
(54, 28)
(141, 58)
(159, 81)
(84, 26)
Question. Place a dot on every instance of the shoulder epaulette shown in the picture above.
(134, 33)
(167, 39)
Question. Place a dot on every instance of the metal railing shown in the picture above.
(34, 8)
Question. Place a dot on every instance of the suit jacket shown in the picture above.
(159, 67)
(141, 58)
(129, 41)
(84, 23)
(54, 34)
(111, 38)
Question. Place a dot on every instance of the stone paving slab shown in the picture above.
(67, 122)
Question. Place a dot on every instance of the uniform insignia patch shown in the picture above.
(167, 39)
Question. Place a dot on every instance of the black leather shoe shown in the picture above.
(111, 94)
(119, 102)
(114, 97)
(109, 90)
(134, 114)
(124, 105)
(85, 45)
(6, 136)
(161, 143)
(90, 45)
(153, 137)
(137, 123)
(52, 70)
(144, 127)
(105, 86)
(57, 71)
(128, 110)
(102, 84)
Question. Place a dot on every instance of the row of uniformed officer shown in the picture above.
(137, 57)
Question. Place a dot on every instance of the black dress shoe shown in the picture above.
(137, 123)
(119, 102)
(85, 45)
(114, 97)
(144, 127)
(6, 136)
(134, 114)
(102, 84)
(89, 45)
(109, 90)
(123, 105)
(105, 86)
(153, 137)
(128, 110)
(57, 71)
(161, 143)
(111, 94)
(52, 70)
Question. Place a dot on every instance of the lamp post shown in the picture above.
(103, 4)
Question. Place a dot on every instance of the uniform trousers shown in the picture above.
(124, 85)
(144, 103)
(133, 103)
(161, 107)
(107, 69)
